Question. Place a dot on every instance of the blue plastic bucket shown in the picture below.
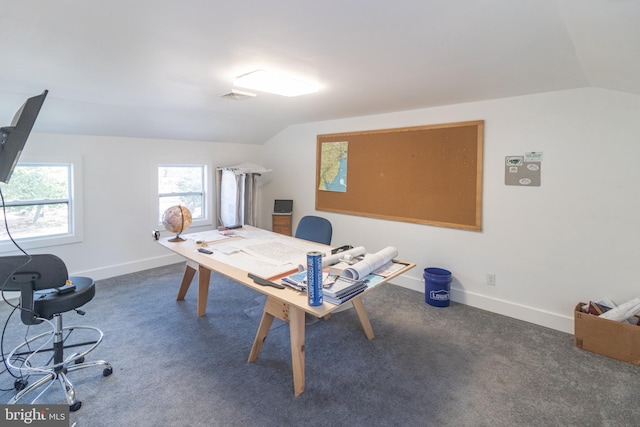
(437, 286)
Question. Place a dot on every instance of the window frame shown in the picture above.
(75, 233)
(207, 201)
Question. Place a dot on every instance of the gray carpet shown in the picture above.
(427, 366)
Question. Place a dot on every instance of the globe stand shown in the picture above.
(176, 219)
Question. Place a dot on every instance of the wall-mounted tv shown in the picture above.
(14, 136)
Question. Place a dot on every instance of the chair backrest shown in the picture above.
(28, 274)
(315, 229)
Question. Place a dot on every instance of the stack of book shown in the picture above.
(343, 289)
(335, 290)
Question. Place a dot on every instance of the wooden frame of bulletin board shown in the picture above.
(425, 174)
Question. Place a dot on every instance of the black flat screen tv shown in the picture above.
(14, 137)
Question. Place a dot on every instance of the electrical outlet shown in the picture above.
(491, 279)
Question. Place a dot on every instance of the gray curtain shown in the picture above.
(251, 199)
(237, 194)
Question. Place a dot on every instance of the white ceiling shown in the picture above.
(158, 68)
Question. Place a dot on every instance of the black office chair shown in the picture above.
(315, 229)
(46, 292)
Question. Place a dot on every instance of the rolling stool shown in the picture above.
(45, 293)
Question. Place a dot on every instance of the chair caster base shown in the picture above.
(56, 372)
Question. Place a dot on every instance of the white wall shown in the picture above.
(120, 196)
(574, 238)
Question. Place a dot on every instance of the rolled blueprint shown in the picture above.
(351, 253)
(370, 263)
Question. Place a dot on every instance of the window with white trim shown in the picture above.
(39, 207)
(185, 185)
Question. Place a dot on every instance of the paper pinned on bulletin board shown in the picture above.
(524, 170)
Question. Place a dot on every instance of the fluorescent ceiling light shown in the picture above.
(271, 82)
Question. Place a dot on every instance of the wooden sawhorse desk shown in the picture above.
(286, 304)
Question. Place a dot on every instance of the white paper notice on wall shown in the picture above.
(523, 170)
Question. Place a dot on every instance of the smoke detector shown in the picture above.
(238, 95)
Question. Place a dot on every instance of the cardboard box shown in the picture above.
(607, 337)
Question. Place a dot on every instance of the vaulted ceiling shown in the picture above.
(159, 68)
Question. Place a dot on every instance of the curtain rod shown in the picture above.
(237, 170)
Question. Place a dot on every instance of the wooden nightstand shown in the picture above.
(281, 223)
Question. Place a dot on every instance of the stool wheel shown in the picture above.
(107, 371)
(75, 406)
(79, 361)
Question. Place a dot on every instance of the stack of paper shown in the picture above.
(360, 272)
(296, 281)
(343, 290)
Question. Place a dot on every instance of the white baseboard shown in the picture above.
(130, 267)
(506, 308)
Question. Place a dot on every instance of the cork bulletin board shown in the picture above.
(425, 174)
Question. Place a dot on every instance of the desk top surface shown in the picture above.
(261, 252)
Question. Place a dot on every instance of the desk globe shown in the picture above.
(176, 219)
